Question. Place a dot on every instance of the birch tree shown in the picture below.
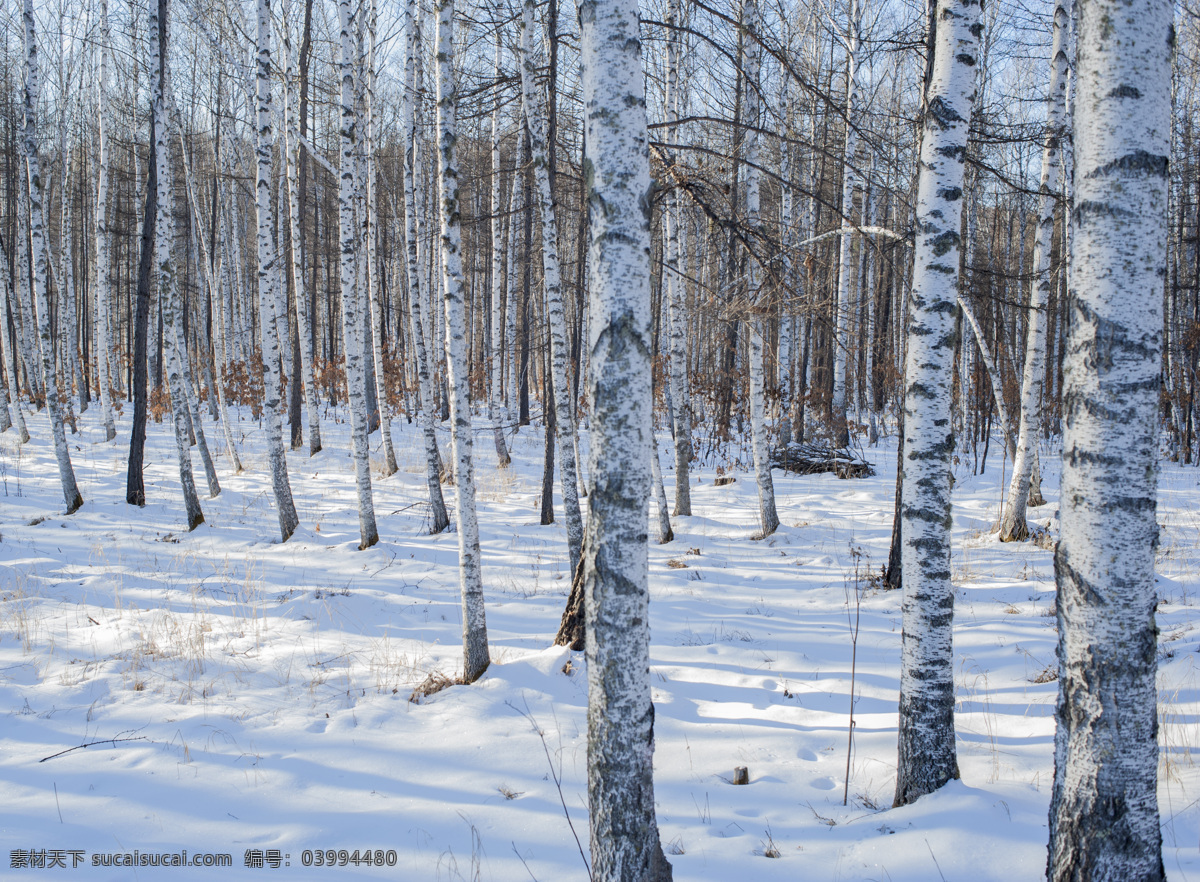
(164, 262)
(681, 414)
(292, 158)
(39, 257)
(498, 285)
(564, 422)
(370, 225)
(8, 353)
(439, 519)
(623, 829)
(103, 320)
(1104, 821)
(475, 647)
(269, 290)
(927, 757)
(1013, 527)
(352, 316)
(768, 517)
(841, 354)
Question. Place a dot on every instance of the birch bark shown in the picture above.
(11, 359)
(39, 259)
(439, 519)
(292, 157)
(370, 226)
(1013, 527)
(103, 319)
(564, 421)
(927, 757)
(623, 829)
(352, 319)
(268, 279)
(841, 352)
(768, 517)
(1104, 821)
(164, 261)
(681, 414)
(498, 286)
(475, 647)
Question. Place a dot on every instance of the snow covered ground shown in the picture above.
(255, 696)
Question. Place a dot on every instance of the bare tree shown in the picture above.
(1104, 821)
(927, 756)
(624, 832)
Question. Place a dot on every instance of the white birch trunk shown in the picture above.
(624, 833)
(352, 319)
(439, 519)
(67, 293)
(193, 413)
(513, 391)
(841, 345)
(164, 263)
(39, 258)
(927, 757)
(103, 299)
(27, 337)
(868, 294)
(989, 364)
(564, 420)
(269, 280)
(370, 224)
(1013, 527)
(681, 414)
(498, 287)
(292, 158)
(475, 647)
(787, 318)
(768, 517)
(212, 284)
(11, 359)
(1104, 821)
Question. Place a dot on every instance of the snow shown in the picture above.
(263, 688)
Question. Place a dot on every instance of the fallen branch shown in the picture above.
(92, 744)
(815, 459)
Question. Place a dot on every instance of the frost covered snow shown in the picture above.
(243, 696)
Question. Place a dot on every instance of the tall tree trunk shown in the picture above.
(475, 646)
(1013, 527)
(370, 222)
(439, 519)
(39, 258)
(768, 517)
(841, 346)
(135, 490)
(681, 415)
(495, 368)
(564, 421)
(292, 151)
(165, 266)
(927, 757)
(269, 287)
(352, 318)
(624, 833)
(11, 359)
(1104, 821)
(103, 297)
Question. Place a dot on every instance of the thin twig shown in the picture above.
(525, 865)
(527, 714)
(935, 863)
(92, 744)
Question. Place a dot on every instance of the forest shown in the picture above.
(692, 439)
